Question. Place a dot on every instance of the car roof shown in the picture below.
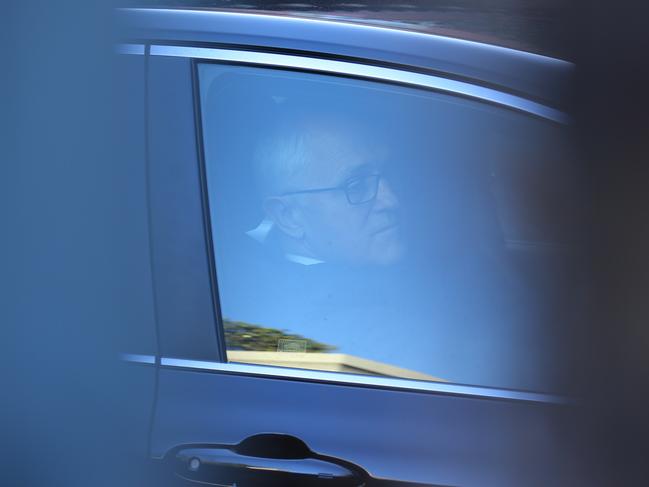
(533, 76)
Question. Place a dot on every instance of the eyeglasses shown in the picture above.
(358, 190)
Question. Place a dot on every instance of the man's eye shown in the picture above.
(356, 185)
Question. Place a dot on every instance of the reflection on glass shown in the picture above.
(367, 228)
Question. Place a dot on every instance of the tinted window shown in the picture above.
(378, 229)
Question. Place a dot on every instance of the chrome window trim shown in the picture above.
(339, 378)
(375, 73)
(137, 49)
(138, 358)
(345, 379)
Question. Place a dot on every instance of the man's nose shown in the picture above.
(385, 197)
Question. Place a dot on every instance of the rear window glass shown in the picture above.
(376, 229)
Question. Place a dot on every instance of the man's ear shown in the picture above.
(285, 215)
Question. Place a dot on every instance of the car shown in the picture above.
(357, 234)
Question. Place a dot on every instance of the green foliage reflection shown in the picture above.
(245, 336)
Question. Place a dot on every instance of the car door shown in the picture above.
(355, 268)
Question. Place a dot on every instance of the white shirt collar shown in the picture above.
(302, 259)
(260, 233)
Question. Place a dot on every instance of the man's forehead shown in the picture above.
(338, 157)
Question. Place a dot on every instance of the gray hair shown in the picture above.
(279, 157)
(285, 152)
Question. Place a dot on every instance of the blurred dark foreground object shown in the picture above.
(610, 362)
(72, 282)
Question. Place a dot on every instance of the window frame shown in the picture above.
(390, 75)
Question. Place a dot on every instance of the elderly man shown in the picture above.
(324, 192)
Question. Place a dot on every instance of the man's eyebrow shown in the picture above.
(360, 170)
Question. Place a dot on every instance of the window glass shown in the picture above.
(377, 229)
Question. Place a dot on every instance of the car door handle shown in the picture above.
(266, 459)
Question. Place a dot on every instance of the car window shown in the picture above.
(364, 227)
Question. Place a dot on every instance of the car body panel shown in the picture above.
(538, 77)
